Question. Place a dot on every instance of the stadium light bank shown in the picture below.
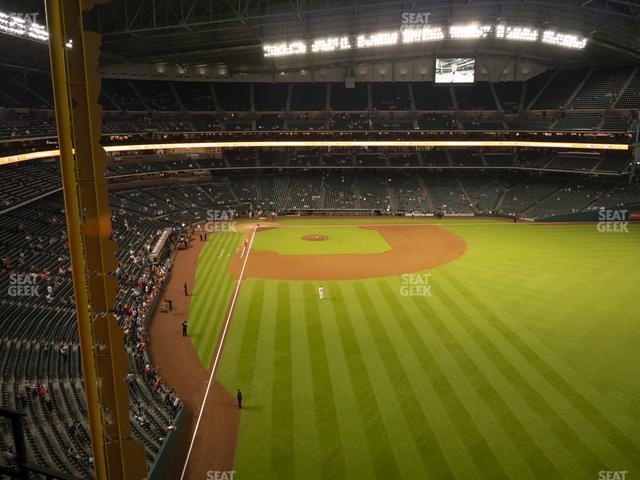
(326, 144)
(25, 25)
(423, 34)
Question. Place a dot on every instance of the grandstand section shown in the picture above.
(141, 106)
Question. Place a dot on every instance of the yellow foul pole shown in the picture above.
(76, 87)
(61, 97)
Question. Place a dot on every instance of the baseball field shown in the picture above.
(441, 349)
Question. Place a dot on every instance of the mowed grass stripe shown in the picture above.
(381, 450)
(351, 420)
(532, 347)
(561, 422)
(209, 295)
(231, 360)
(259, 401)
(213, 296)
(583, 325)
(452, 386)
(333, 463)
(447, 453)
(254, 378)
(282, 457)
(306, 445)
(202, 281)
(497, 386)
(249, 346)
(429, 458)
(564, 311)
(561, 383)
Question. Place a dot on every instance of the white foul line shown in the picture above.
(218, 351)
(220, 256)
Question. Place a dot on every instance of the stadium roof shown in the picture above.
(230, 33)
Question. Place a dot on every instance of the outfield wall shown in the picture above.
(157, 469)
(572, 217)
(632, 214)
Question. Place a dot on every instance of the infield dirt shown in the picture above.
(413, 248)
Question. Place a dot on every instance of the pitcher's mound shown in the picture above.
(315, 238)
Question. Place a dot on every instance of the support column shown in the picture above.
(76, 88)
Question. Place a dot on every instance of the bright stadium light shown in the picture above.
(380, 39)
(408, 35)
(25, 27)
(330, 44)
(284, 49)
(422, 34)
(469, 30)
(19, 27)
(566, 40)
(21, 157)
(517, 33)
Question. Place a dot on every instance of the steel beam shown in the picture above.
(164, 17)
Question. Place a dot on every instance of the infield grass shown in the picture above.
(523, 363)
(340, 240)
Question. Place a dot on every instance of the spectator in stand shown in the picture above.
(176, 403)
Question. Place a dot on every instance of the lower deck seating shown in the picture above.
(39, 351)
(409, 194)
(447, 195)
(568, 199)
(484, 191)
(525, 194)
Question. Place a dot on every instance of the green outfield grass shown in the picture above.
(523, 363)
(289, 241)
(211, 292)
